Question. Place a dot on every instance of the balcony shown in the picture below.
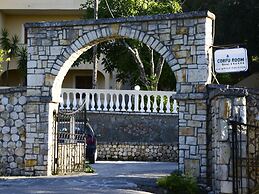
(131, 101)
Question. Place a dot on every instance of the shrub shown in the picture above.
(177, 183)
(256, 190)
(89, 169)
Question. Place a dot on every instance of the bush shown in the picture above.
(256, 190)
(177, 183)
(89, 169)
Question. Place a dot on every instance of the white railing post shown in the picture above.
(105, 102)
(155, 104)
(68, 101)
(99, 101)
(148, 103)
(123, 104)
(161, 106)
(142, 104)
(117, 103)
(111, 103)
(175, 107)
(92, 101)
(168, 104)
(74, 101)
(129, 103)
(80, 102)
(62, 101)
(136, 107)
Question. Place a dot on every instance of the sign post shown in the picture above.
(231, 60)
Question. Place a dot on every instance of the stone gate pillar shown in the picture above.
(192, 79)
(225, 105)
(39, 122)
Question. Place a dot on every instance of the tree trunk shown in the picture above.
(159, 68)
(95, 60)
(135, 54)
(95, 67)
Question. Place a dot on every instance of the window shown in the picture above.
(25, 35)
(84, 82)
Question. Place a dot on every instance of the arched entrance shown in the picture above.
(183, 40)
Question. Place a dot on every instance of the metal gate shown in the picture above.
(245, 157)
(69, 141)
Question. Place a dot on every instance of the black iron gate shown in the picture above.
(245, 157)
(69, 141)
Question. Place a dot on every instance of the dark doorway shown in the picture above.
(84, 82)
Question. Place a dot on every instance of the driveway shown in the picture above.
(110, 177)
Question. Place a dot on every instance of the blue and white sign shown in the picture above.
(231, 60)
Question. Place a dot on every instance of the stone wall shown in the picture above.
(132, 127)
(253, 107)
(130, 136)
(12, 131)
(225, 104)
(137, 151)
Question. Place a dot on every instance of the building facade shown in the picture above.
(15, 13)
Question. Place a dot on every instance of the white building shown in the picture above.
(15, 13)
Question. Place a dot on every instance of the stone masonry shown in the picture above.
(12, 131)
(136, 151)
(133, 127)
(225, 104)
(184, 40)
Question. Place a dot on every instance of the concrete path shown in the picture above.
(110, 177)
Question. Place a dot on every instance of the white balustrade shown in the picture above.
(119, 100)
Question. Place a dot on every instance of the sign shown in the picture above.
(231, 60)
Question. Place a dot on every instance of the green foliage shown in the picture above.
(125, 8)
(9, 44)
(2, 59)
(22, 61)
(12, 50)
(89, 169)
(117, 56)
(237, 22)
(256, 190)
(177, 183)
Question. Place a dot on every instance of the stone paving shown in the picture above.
(110, 177)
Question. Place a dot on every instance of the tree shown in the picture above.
(22, 63)
(149, 63)
(237, 22)
(10, 46)
(95, 59)
(2, 59)
(12, 50)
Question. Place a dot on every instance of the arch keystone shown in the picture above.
(115, 29)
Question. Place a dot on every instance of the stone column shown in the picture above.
(191, 82)
(192, 137)
(224, 108)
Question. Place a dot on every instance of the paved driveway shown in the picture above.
(110, 177)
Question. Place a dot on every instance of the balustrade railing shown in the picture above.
(119, 100)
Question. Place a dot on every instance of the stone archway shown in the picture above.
(184, 41)
(83, 43)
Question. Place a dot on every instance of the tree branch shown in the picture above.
(152, 64)
(134, 52)
(159, 67)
